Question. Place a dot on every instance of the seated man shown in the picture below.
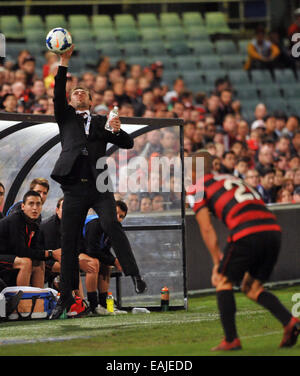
(18, 243)
(50, 238)
(97, 256)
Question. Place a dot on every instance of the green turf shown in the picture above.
(176, 333)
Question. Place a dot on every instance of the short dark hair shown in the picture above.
(266, 170)
(29, 194)
(81, 88)
(122, 205)
(228, 152)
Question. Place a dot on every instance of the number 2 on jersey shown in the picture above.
(241, 194)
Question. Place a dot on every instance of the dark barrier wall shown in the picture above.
(199, 263)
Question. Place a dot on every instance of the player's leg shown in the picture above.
(38, 274)
(103, 284)
(255, 291)
(90, 266)
(24, 264)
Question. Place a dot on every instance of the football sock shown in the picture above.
(102, 299)
(273, 304)
(227, 309)
(93, 299)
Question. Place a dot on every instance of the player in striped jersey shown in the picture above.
(251, 251)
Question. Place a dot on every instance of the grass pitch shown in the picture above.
(173, 333)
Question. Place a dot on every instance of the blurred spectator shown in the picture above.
(230, 127)
(216, 165)
(146, 204)
(260, 111)
(265, 158)
(50, 58)
(270, 123)
(284, 59)
(178, 110)
(262, 53)
(133, 203)
(22, 55)
(242, 130)
(288, 184)
(241, 167)
(228, 162)
(158, 202)
(173, 95)
(297, 178)
(278, 180)
(291, 125)
(295, 145)
(29, 68)
(296, 195)
(252, 178)
(294, 162)
(284, 196)
(9, 103)
(266, 188)
(280, 122)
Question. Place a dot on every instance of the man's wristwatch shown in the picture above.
(50, 254)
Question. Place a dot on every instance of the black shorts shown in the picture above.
(256, 254)
(7, 273)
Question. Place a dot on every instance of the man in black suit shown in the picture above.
(84, 140)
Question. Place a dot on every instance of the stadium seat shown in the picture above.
(132, 49)
(167, 60)
(173, 33)
(155, 48)
(270, 91)
(231, 62)
(170, 76)
(192, 19)
(141, 60)
(243, 46)
(196, 34)
(111, 50)
(261, 77)
(203, 48)
(274, 104)
(80, 36)
(147, 20)
(179, 48)
(76, 65)
(78, 22)
(101, 21)
(210, 62)
(151, 34)
(284, 76)
(192, 78)
(11, 27)
(245, 92)
(128, 35)
(213, 74)
(55, 20)
(124, 21)
(33, 22)
(88, 53)
(105, 36)
(35, 36)
(216, 23)
(294, 106)
(186, 63)
(13, 49)
(291, 91)
(250, 104)
(225, 47)
(169, 19)
(239, 77)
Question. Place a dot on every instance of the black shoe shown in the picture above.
(139, 284)
(61, 305)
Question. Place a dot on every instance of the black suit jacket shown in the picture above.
(14, 237)
(50, 234)
(73, 137)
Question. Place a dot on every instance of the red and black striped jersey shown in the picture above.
(230, 199)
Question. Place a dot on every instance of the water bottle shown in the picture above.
(113, 113)
(136, 311)
(164, 298)
(110, 302)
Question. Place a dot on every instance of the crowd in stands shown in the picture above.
(264, 151)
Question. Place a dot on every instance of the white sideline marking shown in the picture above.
(167, 320)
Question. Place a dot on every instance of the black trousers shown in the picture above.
(78, 199)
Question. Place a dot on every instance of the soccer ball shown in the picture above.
(59, 40)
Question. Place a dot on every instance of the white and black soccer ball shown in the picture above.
(59, 40)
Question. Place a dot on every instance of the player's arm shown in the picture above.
(209, 235)
(60, 98)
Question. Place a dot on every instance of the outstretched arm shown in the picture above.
(60, 98)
